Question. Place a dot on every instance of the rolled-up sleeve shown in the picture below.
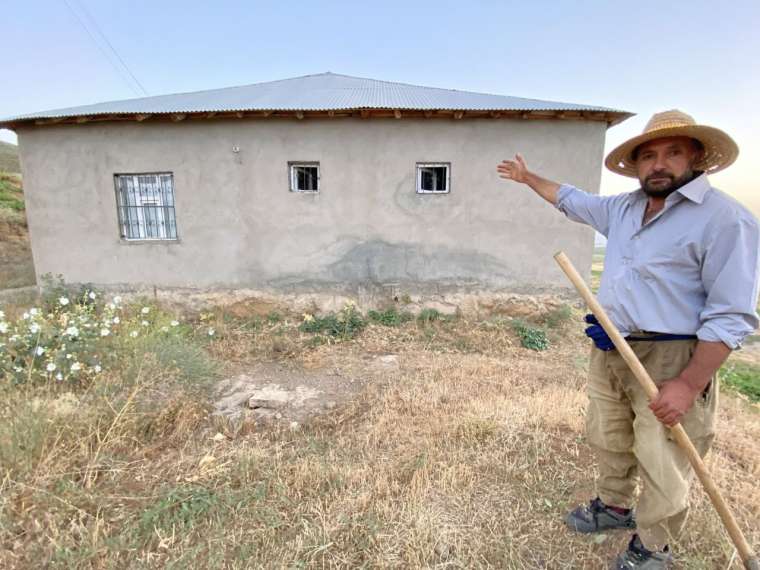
(730, 275)
(586, 208)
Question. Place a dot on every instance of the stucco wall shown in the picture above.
(240, 226)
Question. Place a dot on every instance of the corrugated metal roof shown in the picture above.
(320, 92)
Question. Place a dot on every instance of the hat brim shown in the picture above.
(720, 149)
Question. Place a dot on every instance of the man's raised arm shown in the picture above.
(518, 171)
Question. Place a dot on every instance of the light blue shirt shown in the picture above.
(692, 269)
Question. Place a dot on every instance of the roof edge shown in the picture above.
(611, 117)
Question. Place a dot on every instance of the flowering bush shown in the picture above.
(74, 339)
(346, 324)
(67, 343)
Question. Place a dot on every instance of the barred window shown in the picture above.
(304, 176)
(146, 206)
(433, 178)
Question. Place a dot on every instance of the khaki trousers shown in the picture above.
(631, 444)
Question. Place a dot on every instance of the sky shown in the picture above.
(702, 57)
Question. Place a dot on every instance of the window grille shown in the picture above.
(304, 177)
(146, 206)
(433, 178)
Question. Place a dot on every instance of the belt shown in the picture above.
(656, 337)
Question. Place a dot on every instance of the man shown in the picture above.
(681, 283)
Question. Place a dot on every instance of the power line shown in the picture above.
(102, 35)
(102, 50)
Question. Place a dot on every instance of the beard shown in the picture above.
(661, 189)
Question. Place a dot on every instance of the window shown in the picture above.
(433, 178)
(145, 205)
(304, 176)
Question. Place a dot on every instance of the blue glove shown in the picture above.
(596, 333)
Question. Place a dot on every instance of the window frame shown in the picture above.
(161, 209)
(293, 164)
(418, 177)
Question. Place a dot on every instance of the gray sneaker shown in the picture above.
(637, 557)
(596, 517)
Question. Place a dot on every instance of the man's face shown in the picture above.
(664, 165)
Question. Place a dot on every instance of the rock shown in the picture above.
(443, 550)
(236, 391)
(386, 362)
(264, 413)
(271, 396)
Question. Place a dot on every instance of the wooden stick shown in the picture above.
(679, 434)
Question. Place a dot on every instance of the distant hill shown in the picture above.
(9, 157)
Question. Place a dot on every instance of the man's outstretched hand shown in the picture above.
(515, 169)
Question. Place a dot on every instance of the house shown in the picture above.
(314, 183)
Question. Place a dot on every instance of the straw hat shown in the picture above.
(720, 149)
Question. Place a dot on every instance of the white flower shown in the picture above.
(34, 327)
(3, 327)
(111, 306)
(97, 368)
(144, 323)
(92, 295)
(59, 376)
(211, 332)
(14, 338)
(50, 366)
(175, 323)
(117, 299)
(69, 356)
(145, 310)
(104, 332)
(133, 334)
(164, 329)
(2, 315)
(72, 331)
(116, 320)
(63, 301)
(75, 367)
(17, 368)
(34, 312)
(40, 351)
(25, 316)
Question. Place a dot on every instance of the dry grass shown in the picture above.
(467, 456)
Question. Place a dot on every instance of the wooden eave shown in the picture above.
(609, 117)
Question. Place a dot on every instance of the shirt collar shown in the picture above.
(694, 190)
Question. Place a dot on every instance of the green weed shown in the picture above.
(743, 378)
(530, 337)
(390, 317)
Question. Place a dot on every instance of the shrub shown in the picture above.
(345, 325)
(530, 337)
(558, 317)
(390, 317)
(70, 341)
(427, 316)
